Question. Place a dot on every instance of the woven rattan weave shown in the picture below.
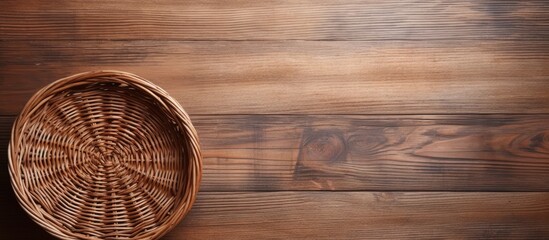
(104, 155)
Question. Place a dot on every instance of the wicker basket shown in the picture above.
(104, 155)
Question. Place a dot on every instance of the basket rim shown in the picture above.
(160, 96)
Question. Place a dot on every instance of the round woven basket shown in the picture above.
(104, 155)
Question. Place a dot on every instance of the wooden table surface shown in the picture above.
(320, 119)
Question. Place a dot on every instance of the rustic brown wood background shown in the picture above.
(320, 119)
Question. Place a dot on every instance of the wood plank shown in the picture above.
(471, 153)
(383, 153)
(283, 77)
(274, 20)
(348, 215)
(365, 215)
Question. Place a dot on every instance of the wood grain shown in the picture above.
(294, 77)
(459, 153)
(388, 153)
(352, 215)
(327, 119)
(366, 215)
(274, 20)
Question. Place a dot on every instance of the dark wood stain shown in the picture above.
(326, 146)
(372, 215)
(320, 151)
(301, 77)
(275, 20)
(320, 119)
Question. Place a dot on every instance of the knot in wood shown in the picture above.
(326, 147)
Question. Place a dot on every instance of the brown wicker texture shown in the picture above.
(104, 155)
